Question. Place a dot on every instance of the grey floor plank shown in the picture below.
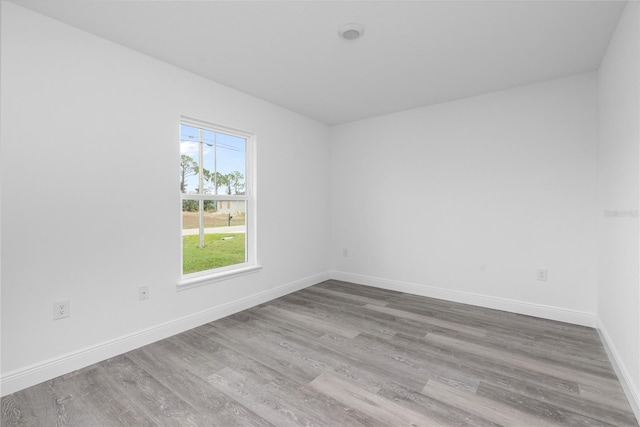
(430, 320)
(384, 410)
(526, 363)
(445, 413)
(540, 409)
(158, 403)
(341, 296)
(498, 412)
(274, 402)
(483, 369)
(325, 309)
(194, 388)
(239, 342)
(29, 407)
(97, 401)
(340, 354)
(582, 412)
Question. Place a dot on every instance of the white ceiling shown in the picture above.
(412, 53)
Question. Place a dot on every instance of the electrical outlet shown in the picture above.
(61, 309)
(143, 293)
(543, 274)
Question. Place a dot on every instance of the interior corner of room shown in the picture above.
(523, 199)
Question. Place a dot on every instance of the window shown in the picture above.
(218, 204)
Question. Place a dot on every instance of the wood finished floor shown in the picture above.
(339, 354)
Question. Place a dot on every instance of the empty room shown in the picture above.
(328, 213)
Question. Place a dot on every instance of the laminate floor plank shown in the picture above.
(520, 328)
(159, 404)
(313, 322)
(412, 364)
(364, 291)
(384, 366)
(590, 409)
(613, 398)
(409, 326)
(513, 324)
(273, 400)
(336, 354)
(596, 357)
(526, 363)
(445, 413)
(340, 354)
(497, 412)
(477, 369)
(324, 309)
(554, 356)
(94, 400)
(322, 358)
(384, 410)
(539, 408)
(429, 320)
(286, 366)
(178, 375)
(30, 407)
(344, 297)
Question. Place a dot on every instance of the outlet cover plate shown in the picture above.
(543, 274)
(61, 309)
(143, 293)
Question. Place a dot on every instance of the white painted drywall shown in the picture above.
(470, 196)
(619, 192)
(90, 197)
(473, 196)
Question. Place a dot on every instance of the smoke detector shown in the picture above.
(351, 31)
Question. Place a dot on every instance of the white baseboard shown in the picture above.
(632, 392)
(34, 374)
(514, 306)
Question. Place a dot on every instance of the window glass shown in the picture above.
(215, 196)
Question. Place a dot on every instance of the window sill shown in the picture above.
(206, 279)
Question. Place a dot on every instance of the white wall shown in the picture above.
(462, 200)
(90, 198)
(619, 192)
(465, 200)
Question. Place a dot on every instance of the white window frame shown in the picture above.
(251, 265)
